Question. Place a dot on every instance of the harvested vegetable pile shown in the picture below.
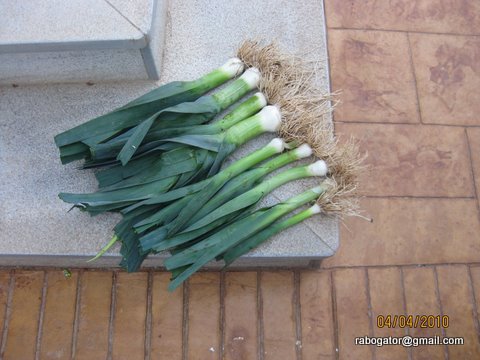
(160, 162)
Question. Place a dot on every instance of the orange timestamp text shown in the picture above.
(413, 321)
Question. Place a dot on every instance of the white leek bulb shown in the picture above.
(232, 67)
(318, 168)
(270, 118)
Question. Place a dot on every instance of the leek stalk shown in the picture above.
(74, 143)
(255, 195)
(256, 240)
(102, 153)
(190, 113)
(208, 249)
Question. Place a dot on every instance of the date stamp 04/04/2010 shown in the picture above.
(413, 321)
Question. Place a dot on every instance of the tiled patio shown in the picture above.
(410, 75)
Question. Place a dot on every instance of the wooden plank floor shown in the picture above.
(313, 314)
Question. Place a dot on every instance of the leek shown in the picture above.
(155, 140)
(255, 195)
(190, 113)
(74, 143)
(235, 252)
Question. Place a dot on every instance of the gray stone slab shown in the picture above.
(31, 24)
(34, 223)
(54, 41)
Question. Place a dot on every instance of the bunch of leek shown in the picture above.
(223, 205)
(207, 151)
(178, 119)
(188, 204)
(335, 196)
(162, 215)
(165, 174)
(187, 261)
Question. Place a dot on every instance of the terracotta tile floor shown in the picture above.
(410, 75)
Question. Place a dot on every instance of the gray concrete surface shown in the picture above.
(35, 227)
(56, 21)
(80, 40)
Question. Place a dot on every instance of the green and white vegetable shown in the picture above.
(256, 240)
(165, 217)
(74, 143)
(155, 140)
(209, 218)
(161, 163)
(255, 195)
(189, 113)
(216, 244)
(206, 151)
(164, 160)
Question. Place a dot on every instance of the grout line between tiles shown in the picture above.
(437, 293)
(419, 197)
(111, 322)
(405, 310)
(76, 319)
(41, 316)
(327, 54)
(423, 124)
(148, 317)
(474, 303)
(370, 311)
(222, 315)
(403, 31)
(126, 18)
(186, 294)
(470, 155)
(297, 308)
(260, 335)
(334, 316)
(8, 313)
(414, 73)
(340, 267)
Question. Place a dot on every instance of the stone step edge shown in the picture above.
(139, 42)
(156, 261)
